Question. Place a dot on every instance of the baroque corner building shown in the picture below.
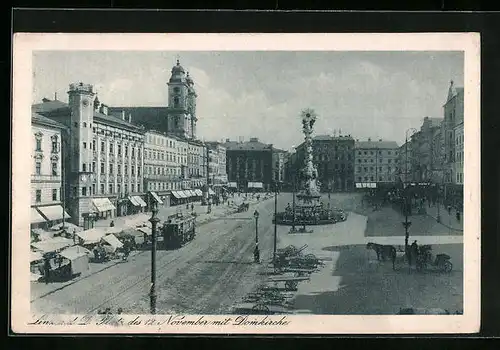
(103, 155)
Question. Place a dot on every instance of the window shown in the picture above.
(389, 161)
(133, 188)
(126, 188)
(84, 167)
(75, 124)
(138, 171)
(103, 148)
(110, 188)
(366, 161)
(366, 178)
(119, 150)
(133, 170)
(84, 191)
(111, 168)
(371, 160)
(55, 144)
(38, 195)
(126, 151)
(102, 171)
(389, 152)
(111, 149)
(371, 168)
(54, 194)
(176, 101)
(93, 190)
(119, 170)
(54, 169)
(138, 188)
(119, 188)
(126, 170)
(380, 178)
(38, 144)
(38, 168)
(102, 188)
(133, 152)
(371, 178)
(359, 178)
(93, 168)
(93, 145)
(379, 168)
(359, 160)
(84, 124)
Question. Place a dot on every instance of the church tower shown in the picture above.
(181, 103)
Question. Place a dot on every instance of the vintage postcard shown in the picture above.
(246, 183)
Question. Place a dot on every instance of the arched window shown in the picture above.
(176, 101)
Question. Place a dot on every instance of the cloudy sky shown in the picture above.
(261, 94)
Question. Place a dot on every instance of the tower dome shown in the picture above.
(178, 68)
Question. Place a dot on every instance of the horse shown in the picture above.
(383, 252)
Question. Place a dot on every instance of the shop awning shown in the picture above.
(113, 241)
(192, 193)
(54, 212)
(156, 197)
(103, 204)
(91, 236)
(140, 201)
(133, 201)
(36, 218)
(198, 192)
(74, 252)
(52, 245)
(176, 194)
(182, 194)
(232, 185)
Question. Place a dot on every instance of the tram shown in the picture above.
(178, 230)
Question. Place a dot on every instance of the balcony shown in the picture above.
(46, 178)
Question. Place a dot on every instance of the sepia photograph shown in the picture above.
(193, 183)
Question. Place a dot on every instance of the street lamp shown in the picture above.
(275, 219)
(256, 253)
(154, 222)
(406, 223)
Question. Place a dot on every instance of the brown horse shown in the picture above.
(384, 252)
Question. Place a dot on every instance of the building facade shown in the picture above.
(104, 153)
(47, 202)
(280, 158)
(217, 164)
(426, 149)
(376, 163)
(249, 162)
(333, 157)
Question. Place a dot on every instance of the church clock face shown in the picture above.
(85, 103)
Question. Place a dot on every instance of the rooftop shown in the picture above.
(376, 144)
(252, 145)
(40, 119)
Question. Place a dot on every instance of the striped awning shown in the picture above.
(156, 197)
(36, 218)
(198, 192)
(133, 201)
(176, 194)
(140, 201)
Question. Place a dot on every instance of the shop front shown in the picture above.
(37, 220)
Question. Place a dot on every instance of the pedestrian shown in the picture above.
(46, 268)
(458, 215)
(413, 252)
(192, 207)
(449, 209)
(112, 224)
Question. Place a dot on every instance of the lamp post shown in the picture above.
(406, 223)
(256, 252)
(154, 221)
(293, 205)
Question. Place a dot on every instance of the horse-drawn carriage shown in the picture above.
(426, 259)
(178, 230)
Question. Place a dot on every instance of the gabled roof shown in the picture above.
(100, 117)
(376, 145)
(40, 119)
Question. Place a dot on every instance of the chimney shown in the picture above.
(123, 115)
(45, 100)
(130, 118)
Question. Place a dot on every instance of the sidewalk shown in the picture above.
(447, 220)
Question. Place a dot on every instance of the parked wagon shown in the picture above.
(178, 230)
